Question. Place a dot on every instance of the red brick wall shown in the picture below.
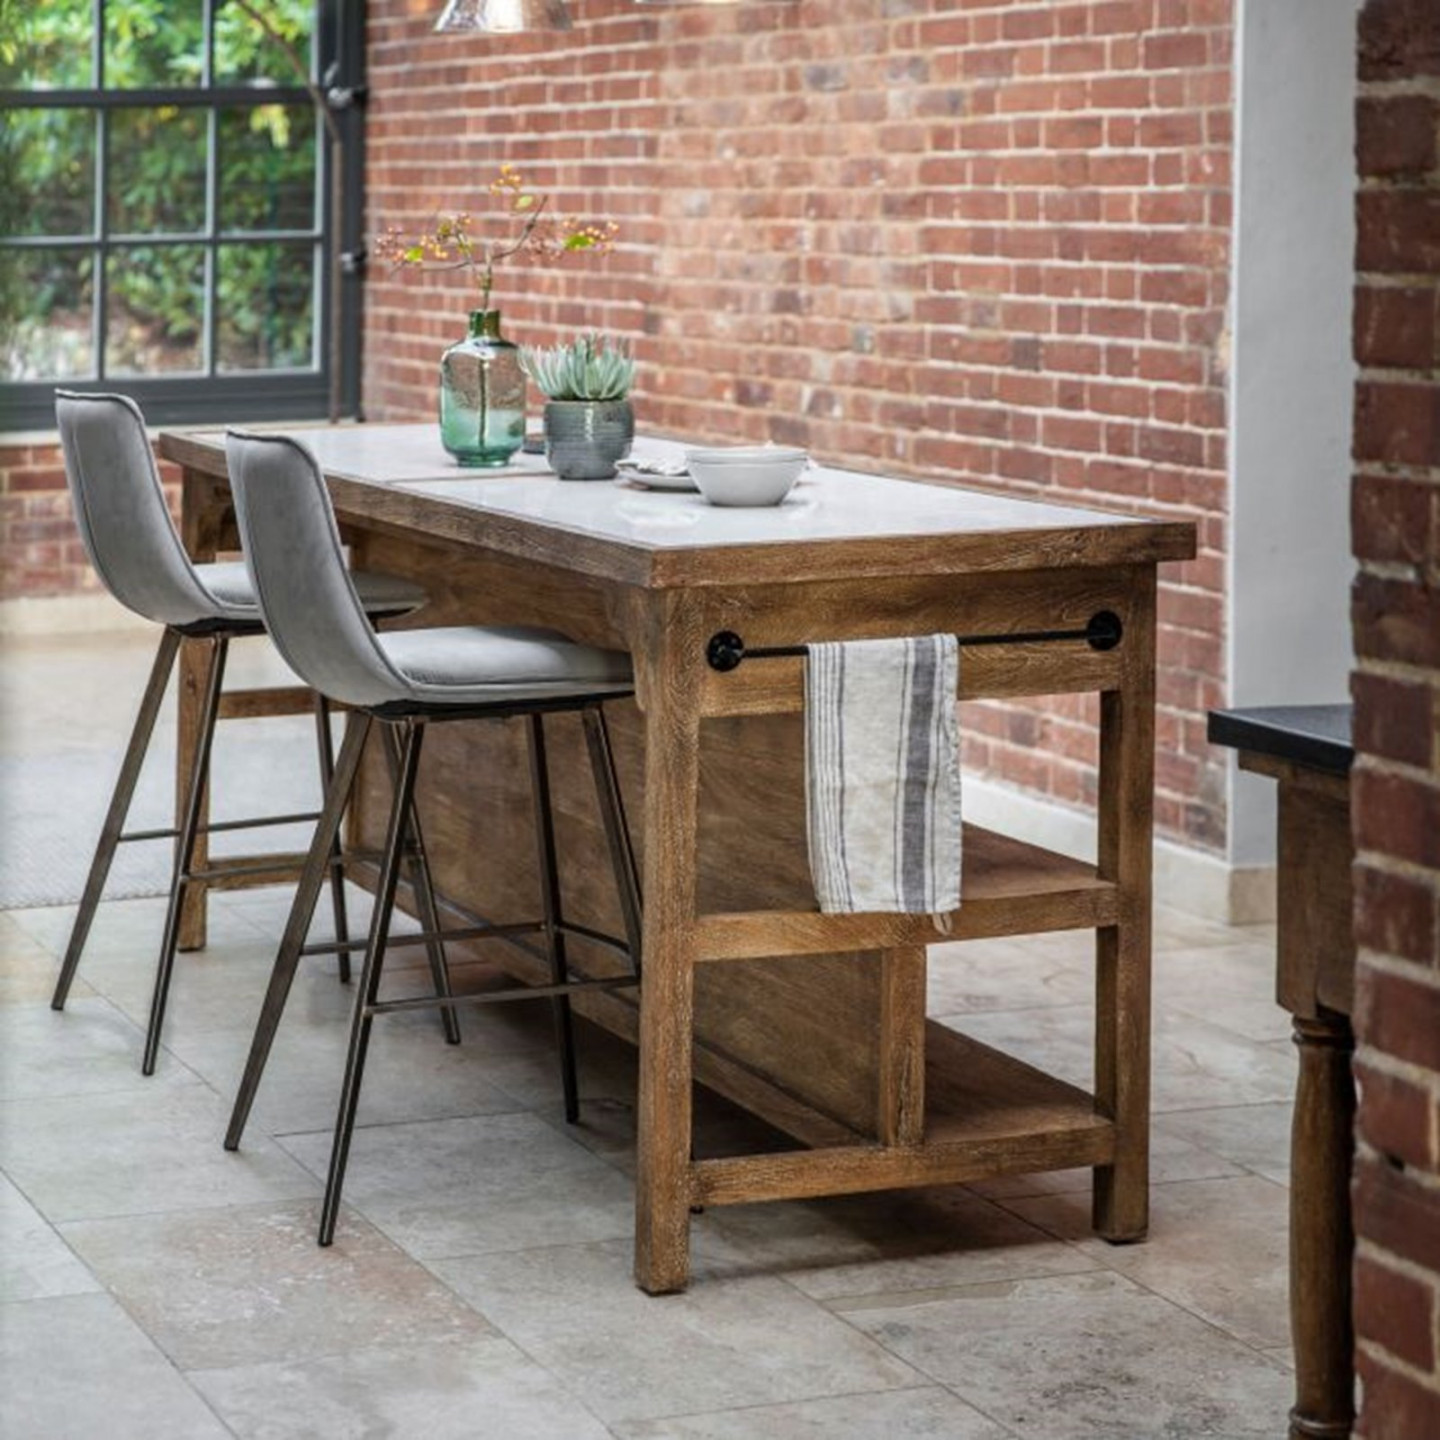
(1396, 786)
(40, 551)
(982, 241)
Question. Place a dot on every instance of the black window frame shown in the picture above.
(339, 57)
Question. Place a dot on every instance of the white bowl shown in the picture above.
(745, 475)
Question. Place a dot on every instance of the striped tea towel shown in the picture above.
(882, 774)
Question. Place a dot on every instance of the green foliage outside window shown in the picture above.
(157, 158)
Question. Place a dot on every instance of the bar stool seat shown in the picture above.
(406, 682)
(125, 524)
(228, 585)
(484, 665)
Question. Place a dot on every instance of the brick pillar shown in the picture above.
(1396, 686)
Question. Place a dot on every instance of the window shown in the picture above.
(166, 206)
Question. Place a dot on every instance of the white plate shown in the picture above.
(645, 473)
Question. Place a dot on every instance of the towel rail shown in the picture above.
(1103, 631)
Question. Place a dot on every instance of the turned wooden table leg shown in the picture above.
(1121, 1205)
(1322, 1240)
(1301, 748)
(669, 694)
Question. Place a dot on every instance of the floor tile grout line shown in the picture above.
(190, 1204)
(1225, 1109)
(107, 1293)
(539, 1116)
(933, 1380)
(1240, 1171)
(1150, 1288)
(980, 1409)
(496, 1334)
(1261, 1350)
(196, 1080)
(926, 1383)
(510, 1339)
(275, 1205)
(843, 1305)
(519, 1109)
(1264, 1352)
(54, 1228)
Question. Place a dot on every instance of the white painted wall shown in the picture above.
(1292, 375)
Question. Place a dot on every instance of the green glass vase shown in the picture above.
(482, 395)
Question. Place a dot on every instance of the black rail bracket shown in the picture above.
(1105, 631)
(725, 651)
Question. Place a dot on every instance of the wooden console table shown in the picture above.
(1307, 750)
(816, 1023)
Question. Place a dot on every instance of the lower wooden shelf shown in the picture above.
(975, 1094)
(986, 1114)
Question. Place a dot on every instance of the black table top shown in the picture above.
(1314, 735)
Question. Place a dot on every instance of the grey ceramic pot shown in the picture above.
(584, 438)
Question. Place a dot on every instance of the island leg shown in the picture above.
(668, 693)
(200, 522)
(1121, 1205)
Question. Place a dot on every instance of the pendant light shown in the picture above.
(502, 17)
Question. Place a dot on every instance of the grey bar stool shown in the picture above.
(130, 539)
(406, 682)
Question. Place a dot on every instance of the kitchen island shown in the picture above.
(815, 1023)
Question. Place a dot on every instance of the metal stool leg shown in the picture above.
(617, 832)
(550, 901)
(368, 990)
(297, 926)
(119, 808)
(185, 849)
(326, 747)
(418, 865)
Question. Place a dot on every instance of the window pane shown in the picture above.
(47, 173)
(265, 299)
(154, 42)
(154, 309)
(243, 51)
(46, 317)
(267, 168)
(156, 180)
(49, 46)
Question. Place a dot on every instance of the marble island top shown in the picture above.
(874, 519)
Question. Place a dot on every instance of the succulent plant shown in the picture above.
(591, 367)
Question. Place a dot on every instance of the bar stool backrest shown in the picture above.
(296, 563)
(121, 512)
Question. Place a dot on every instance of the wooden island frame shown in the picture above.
(815, 1023)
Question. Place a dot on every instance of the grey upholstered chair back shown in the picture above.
(292, 550)
(120, 509)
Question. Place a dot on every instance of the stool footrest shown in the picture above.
(424, 937)
(494, 997)
(256, 822)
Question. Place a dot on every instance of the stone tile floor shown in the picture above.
(152, 1285)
